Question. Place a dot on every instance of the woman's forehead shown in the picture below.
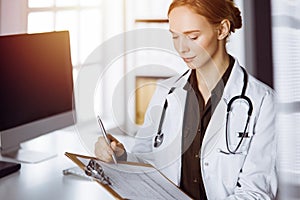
(183, 19)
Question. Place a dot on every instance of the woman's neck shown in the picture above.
(209, 75)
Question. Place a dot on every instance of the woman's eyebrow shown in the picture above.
(185, 32)
(191, 31)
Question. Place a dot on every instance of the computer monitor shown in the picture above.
(36, 89)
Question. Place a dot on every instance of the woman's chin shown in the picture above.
(192, 65)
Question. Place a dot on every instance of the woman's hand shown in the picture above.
(104, 152)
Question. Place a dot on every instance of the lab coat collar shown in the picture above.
(235, 82)
(232, 88)
(182, 80)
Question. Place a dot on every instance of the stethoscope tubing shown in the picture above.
(160, 136)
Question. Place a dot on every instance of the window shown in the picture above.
(286, 51)
(82, 18)
(84, 21)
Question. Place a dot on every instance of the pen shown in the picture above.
(106, 138)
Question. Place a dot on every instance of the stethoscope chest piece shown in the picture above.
(158, 140)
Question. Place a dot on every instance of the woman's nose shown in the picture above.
(183, 45)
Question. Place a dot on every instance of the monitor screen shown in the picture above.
(35, 84)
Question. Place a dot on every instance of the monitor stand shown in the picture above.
(28, 156)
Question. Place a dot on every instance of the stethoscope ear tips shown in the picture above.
(158, 140)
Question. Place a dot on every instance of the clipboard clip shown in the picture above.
(94, 170)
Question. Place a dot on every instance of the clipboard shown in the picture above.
(128, 180)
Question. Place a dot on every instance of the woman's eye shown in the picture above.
(175, 36)
(193, 37)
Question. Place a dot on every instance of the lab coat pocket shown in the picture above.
(230, 168)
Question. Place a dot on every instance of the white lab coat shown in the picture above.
(254, 169)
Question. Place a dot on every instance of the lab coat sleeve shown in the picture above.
(258, 179)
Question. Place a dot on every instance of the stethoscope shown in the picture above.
(159, 138)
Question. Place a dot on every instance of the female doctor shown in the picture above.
(211, 129)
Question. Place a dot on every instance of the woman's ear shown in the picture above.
(223, 29)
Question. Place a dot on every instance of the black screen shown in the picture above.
(35, 77)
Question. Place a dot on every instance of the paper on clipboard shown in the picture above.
(134, 180)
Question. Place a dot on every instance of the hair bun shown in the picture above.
(235, 18)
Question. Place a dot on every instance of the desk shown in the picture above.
(45, 180)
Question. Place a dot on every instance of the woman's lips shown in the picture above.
(189, 59)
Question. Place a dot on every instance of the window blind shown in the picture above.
(286, 59)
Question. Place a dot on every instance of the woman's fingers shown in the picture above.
(104, 152)
(118, 148)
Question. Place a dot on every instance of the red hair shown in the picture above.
(213, 10)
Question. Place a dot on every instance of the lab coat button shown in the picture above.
(206, 164)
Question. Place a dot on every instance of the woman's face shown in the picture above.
(195, 39)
